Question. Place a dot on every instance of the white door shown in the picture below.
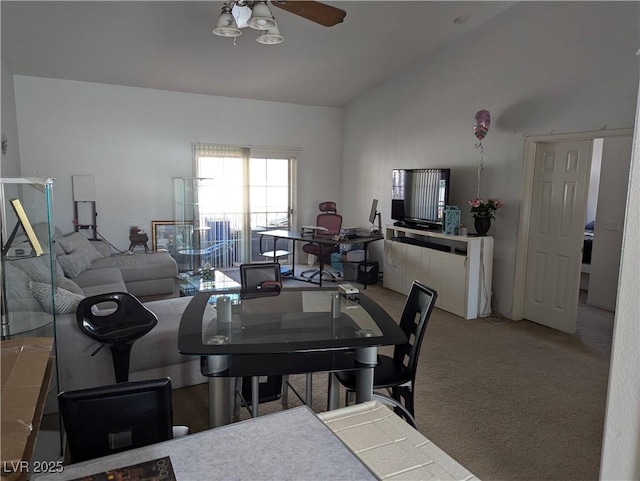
(556, 232)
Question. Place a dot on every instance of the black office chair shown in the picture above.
(274, 254)
(110, 419)
(116, 328)
(259, 280)
(398, 374)
(332, 222)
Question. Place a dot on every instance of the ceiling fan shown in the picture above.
(317, 12)
(237, 14)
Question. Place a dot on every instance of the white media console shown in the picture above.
(461, 275)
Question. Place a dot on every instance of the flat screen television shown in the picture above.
(419, 196)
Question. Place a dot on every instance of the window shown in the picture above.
(237, 192)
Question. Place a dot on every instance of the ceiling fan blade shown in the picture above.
(317, 12)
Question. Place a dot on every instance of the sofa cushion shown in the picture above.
(74, 264)
(64, 301)
(76, 242)
(159, 347)
(37, 268)
(69, 285)
(19, 296)
(141, 267)
(110, 276)
(103, 247)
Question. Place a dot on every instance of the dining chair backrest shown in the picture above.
(260, 279)
(110, 419)
(415, 316)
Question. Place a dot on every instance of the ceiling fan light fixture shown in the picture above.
(226, 25)
(270, 37)
(261, 17)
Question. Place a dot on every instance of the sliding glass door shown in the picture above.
(235, 193)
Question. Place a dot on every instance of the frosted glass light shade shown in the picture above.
(270, 37)
(226, 26)
(261, 17)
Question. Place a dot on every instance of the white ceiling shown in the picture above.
(169, 45)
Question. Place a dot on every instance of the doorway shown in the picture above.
(552, 221)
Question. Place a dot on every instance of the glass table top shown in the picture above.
(297, 320)
(190, 284)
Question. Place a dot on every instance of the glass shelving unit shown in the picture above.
(22, 315)
(36, 197)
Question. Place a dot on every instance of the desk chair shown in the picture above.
(332, 221)
(258, 280)
(398, 374)
(274, 254)
(116, 328)
(110, 419)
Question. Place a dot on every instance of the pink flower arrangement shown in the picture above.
(484, 211)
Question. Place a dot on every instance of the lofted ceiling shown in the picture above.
(169, 45)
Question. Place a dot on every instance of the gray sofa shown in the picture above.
(87, 268)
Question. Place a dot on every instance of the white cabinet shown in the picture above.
(462, 276)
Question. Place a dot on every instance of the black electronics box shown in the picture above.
(368, 272)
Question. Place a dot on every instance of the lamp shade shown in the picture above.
(226, 25)
(270, 37)
(261, 17)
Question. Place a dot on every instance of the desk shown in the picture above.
(292, 444)
(287, 334)
(317, 239)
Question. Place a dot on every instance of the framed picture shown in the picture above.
(171, 235)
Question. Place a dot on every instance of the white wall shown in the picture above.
(594, 180)
(538, 67)
(607, 241)
(134, 141)
(621, 447)
(9, 163)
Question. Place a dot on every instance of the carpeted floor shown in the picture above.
(508, 400)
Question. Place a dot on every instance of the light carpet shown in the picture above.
(509, 401)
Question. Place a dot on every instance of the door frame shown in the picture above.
(528, 164)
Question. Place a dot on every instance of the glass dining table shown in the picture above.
(301, 330)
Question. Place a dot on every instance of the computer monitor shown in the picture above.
(373, 214)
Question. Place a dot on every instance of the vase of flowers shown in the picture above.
(483, 212)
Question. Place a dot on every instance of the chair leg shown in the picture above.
(255, 395)
(349, 397)
(285, 391)
(121, 355)
(399, 409)
(404, 395)
(236, 395)
(308, 398)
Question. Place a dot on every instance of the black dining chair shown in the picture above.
(397, 374)
(258, 280)
(122, 321)
(109, 419)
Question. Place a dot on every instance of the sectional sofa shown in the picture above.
(86, 268)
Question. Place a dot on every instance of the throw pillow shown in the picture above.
(74, 264)
(65, 302)
(19, 296)
(69, 285)
(77, 242)
(37, 268)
